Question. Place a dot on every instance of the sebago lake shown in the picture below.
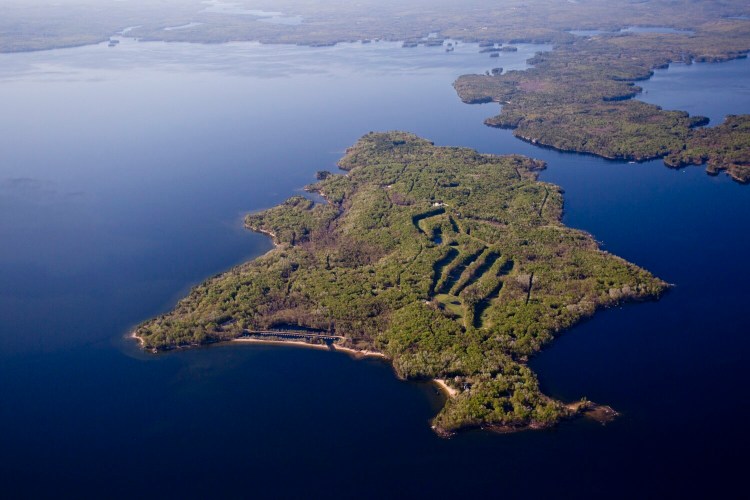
(124, 176)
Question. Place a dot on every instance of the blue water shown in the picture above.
(123, 178)
(723, 89)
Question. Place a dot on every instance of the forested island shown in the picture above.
(579, 97)
(453, 265)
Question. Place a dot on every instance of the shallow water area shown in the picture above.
(126, 172)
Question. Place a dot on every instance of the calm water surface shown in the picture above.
(712, 90)
(124, 175)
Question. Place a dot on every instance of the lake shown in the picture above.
(124, 177)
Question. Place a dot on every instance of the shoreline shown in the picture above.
(359, 354)
(441, 384)
(270, 234)
(132, 335)
(300, 343)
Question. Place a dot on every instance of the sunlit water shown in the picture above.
(124, 175)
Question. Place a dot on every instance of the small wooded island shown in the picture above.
(452, 264)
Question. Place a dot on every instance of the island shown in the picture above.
(452, 265)
(579, 97)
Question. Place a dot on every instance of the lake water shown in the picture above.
(125, 173)
(730, 95)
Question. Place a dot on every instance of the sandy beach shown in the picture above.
(450, 391)
(358, 353)
(270, 234)
(300, 343)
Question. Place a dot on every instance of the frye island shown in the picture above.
(453, 264)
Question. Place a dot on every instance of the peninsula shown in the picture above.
(580, 97)
(453, 265)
